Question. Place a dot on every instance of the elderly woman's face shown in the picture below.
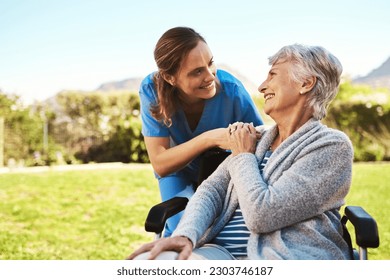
(280, 92)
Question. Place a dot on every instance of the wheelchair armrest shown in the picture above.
(159, 213)
(366, 230)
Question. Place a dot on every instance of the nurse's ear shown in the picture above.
(169, 79)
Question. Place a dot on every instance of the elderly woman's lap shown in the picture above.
(207, 252)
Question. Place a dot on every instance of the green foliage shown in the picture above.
(101, 127)
(105, 127)
(124, 145)
(364, 115)
(347, 91)
(23, 132)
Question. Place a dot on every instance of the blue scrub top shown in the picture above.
(233, 103)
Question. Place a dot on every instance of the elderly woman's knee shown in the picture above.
(168, 255)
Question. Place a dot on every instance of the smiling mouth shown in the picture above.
(268, 96)
(210, 86)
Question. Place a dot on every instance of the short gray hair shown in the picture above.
(312, 61)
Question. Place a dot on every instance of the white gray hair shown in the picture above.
(309, 61)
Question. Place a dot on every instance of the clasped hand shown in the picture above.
(242, 138)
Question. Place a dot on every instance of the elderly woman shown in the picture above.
(288, 187)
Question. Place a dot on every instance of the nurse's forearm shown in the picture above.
(177, 157)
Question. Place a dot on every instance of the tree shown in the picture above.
(100, 127)
(23, 129)
(363, 114)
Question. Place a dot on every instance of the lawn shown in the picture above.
(371, 190)
(94, 214)
(99, 214)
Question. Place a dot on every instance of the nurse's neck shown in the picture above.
(191, 105)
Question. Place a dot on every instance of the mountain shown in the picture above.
(379, 77)
(250, 86)
(131, 84)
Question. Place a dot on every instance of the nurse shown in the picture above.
(186, 108)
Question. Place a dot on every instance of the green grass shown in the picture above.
(371, 190)
(99, 214)
(74, 214)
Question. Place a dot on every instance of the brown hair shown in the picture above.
(173, 46)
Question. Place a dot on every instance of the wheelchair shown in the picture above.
(365, 226)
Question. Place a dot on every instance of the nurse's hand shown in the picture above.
(218, 138)
(242, 138)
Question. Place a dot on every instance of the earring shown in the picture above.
(301, 92)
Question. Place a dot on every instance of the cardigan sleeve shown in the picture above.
(314, 180)
(205, 205)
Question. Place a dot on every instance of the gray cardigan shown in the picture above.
(292, 210)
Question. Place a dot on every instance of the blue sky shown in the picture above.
(49, 45)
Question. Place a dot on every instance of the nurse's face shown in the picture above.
(196, 78)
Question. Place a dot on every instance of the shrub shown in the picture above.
(364, 115)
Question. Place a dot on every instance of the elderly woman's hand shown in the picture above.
(242, 138)
(179, 244)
